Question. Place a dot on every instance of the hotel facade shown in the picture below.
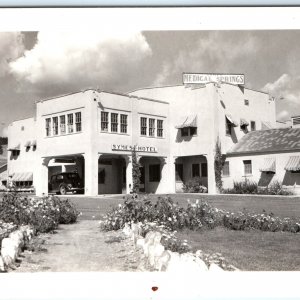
(174, 130)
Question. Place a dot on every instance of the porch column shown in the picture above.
(90, 173)
(40, 177)
(63, 168)
(129, 181)
(211, 179)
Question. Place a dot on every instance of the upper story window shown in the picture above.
(188, 131)
(110, 122)
(151, 127)
(55, 125)
(160, 128)
(124, 123)
(114, 122)
(247, 167)
(246, 102)
(63, 124)
(70, 123)
(226, 170)
(253, 125)
(48, 126)
(78, 121)
(143, 126)
(184, 131)
(104, 121)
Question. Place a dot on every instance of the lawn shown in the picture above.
(247, 250)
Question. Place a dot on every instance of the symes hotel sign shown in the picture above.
(117, 147)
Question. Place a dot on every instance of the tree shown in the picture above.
(219, 163)
(136, 173)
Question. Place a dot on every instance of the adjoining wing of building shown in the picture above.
(174, 130)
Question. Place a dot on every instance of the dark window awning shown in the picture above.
(293, 164)
(22, 176)
(244, 122)
(231, 120)
(16, 147)
(269, 165)
(187, 121)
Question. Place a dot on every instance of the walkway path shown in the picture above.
(82, 247)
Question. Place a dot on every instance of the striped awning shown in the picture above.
(244, 122)
(16, 147)
(27, 144)
(187, 121)
(293, 164)
(22, 176)
(231, 121)
(269, 165)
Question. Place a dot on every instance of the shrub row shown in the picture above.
(43, 213)
(196, 216)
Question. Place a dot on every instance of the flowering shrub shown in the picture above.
(44, 214)
(196, 216)
(194, 185)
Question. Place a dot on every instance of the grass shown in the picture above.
(247, 250)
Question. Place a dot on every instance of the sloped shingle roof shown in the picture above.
(272, 140)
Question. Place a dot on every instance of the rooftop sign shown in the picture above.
(202, 78)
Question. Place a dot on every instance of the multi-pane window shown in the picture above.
(204, 170)
(160, 128)
(247, 167)
(151, 127)
(143, 126)
(193, 130)
(70, 123)
(226, 171)
(104, 121)
(154, 173)
(179, 172)
(253, 125)
(48, 126)
(195, 170)
(246, 102)
(55, 125)
(124, 123)
(78, 121)
(114, 122)
(185, 131)
(62, 120)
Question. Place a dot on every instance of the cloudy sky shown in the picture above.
(36, 65)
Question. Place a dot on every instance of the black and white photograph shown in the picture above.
(134, 149)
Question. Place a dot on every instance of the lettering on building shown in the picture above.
(116, 147)
(199, 78)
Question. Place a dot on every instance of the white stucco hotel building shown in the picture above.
(174, 129)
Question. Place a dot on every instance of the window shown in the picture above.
(204, 170)
(179, 172)
(124, 123)
(114, 122)
(154, 173)
(247, 167)
(70, 123)
(143, 126)
(184, 131)
(253, 125)
(55, 125)
(78, 121)
(193, 130)
(48, 127)
(15, 152)
(160, 128)
(195, 170)
(246, 102)
(104, 121)
(62, 120)
(151, 127)
(227, 127)
(226, 171)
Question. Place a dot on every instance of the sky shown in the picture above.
(37, 65)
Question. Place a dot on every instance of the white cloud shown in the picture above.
(11, 47)
(283, 115)
(4, 131)
(81, 59)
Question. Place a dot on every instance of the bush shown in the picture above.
(194, 185)
(44, 213)
(197, 215)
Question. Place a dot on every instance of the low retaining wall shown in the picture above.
(161, 259)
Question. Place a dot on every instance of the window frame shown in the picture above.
(70, 122)
(104, 121)
(226, 167)
(251, 123)
(123, 124)
(62, 125)
(114, 122)
(143, 126)
(78, 121)
(246, 165)
(151, 131)
(48, 126)
(160, 128)
(55, 126)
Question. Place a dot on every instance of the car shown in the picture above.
(62, 183)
